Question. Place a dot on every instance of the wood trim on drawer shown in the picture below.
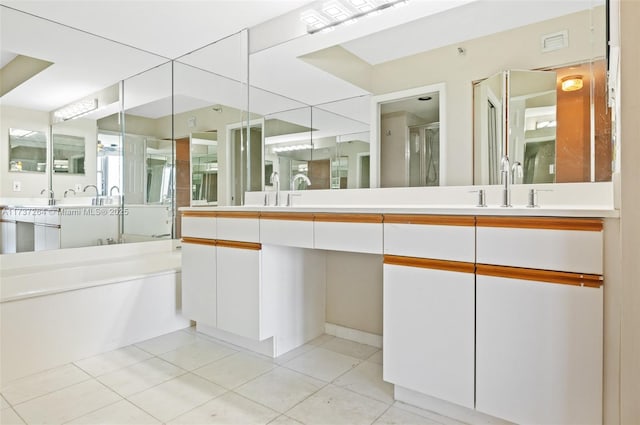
(548, 276)
(209, 214)
(287, 216)
(199, 241)
(240, 245)
(427, 263)
(552, 223)
(438, 220)
(348, 217)
(238, 214)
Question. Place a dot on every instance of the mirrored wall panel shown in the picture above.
(27, 150)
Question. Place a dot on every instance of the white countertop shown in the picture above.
(546, 211)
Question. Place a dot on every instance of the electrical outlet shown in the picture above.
(78, 188)
(17, 186)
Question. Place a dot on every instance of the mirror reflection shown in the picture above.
(204, 168)
(27, 150)
(68, 154)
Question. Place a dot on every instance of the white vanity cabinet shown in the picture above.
(348, 232)
(287, 229)
(8, 232)
(239, 303)
(46, 229)
(199, 277)
(429, 306)
(539, 332)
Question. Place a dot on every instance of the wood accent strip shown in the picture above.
(238, 214)
(200, 241)
(348, 217)
(7, 221)
(240, 245)
(548, 276)
(208, 214)
(437, 220)
(294, 216)
(428, 263)
(552, 223)
(55, 226)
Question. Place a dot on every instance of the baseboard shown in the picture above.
(353, 335)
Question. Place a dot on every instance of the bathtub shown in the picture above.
(64, 305)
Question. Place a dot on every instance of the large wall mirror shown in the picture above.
(435, 45)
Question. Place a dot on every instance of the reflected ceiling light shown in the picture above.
(76, 110)
(16, 132)
(335, 12)
(572, 83)
(292, 148)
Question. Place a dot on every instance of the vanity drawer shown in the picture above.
(349, 232)
(295, 230)
(436, 237)
(199, 227)
(239, 226)
(563, 244)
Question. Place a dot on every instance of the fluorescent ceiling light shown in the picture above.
(335, 13)
(292, 148)
(16, 132)
(76, 109)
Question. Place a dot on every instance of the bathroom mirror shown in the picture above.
(204, 168)
(414, 48)
(68, 153)
(27, 150)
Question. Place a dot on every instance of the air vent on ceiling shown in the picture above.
(554, 41)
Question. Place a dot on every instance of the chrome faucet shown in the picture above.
(111, 190)
(51, 200)
(69, 190)
(96, 201)
(297, 177)
(506, 180)
(275, 180)
(516, 171)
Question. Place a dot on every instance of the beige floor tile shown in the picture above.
(113, 360)
(120, 413)
(376, 357)
(349, 348)
(337, 406)
(235, 370)
(177, 396)
(288, 356)
(140, 376)
(42, 383)
(321, 339)
(67, 404)
(9, 417)
(228, 409)
(197, 354)
(366, 379)
(168, 342)
(280, 389)
(284, 420)
(322, 364)
(432, 416)
(395, 416)
(4, 403)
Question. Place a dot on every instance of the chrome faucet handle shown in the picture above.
(67, 191)
(482, 199)
(290, 198)
(533, 197)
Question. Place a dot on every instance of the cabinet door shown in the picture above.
(539, 351)
(39, 237)
(199, 283)
(239, 291)
(52, 237)
(429, 331)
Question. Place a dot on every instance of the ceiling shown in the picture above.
(102, 42)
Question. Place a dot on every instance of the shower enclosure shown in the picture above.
(424, 155)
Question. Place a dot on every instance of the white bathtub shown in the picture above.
(64, 305)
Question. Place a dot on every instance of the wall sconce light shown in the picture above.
(572, 83)
(334, 13)
(76, 109)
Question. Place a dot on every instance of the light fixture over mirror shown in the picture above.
(330, 14)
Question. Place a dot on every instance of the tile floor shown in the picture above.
(187, 378)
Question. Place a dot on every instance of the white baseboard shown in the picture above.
(353, 335)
